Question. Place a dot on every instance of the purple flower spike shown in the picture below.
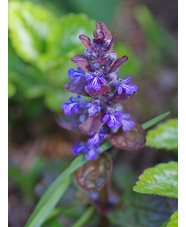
(96, 137)
(95, 79)
(94, 107)
(124, 85)
(75, 74)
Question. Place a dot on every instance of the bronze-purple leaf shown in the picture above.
(86, 41)
(101, 61)
(99, 41)
(131, 140)
(69, 122)
(118, 63)
(95, 174)
(111, 43)
(77, 88)
(82, 61)
(91, 124)
(120, 98)
(101, 31)
(93, 93)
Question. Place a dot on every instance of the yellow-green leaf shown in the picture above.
(161, 180)
(165, 135)
(174, 220)
(29, 26)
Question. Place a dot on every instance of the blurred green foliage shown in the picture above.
(40, 48)
(26, 181)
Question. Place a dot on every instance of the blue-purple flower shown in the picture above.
(94, 107)
(95, 78)
(75, 74)
(123, 84)
(90, 149)
(97, 137)
(75, 104)
(81, 147)
(116, 119)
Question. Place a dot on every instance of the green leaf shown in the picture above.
(71, 211)
(84, 218)
(64, 42)
(174, 220)
(65, 33)
(53, 223)
(155, 120)
(164, 136)
(29, 27)
(140, 210)
(160, 180)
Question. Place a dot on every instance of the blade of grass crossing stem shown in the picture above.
(155, 120)
(84, 218)
(53, 193)
(38, 218)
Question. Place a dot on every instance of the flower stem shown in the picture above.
(103, 204)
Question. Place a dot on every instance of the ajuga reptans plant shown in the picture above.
(102, 118)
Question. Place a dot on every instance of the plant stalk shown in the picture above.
(103, 205)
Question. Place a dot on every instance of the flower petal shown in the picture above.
(127, 80)
(130, 88)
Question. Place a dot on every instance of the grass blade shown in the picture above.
(154, 121)
(54, 193)
(84, 218)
